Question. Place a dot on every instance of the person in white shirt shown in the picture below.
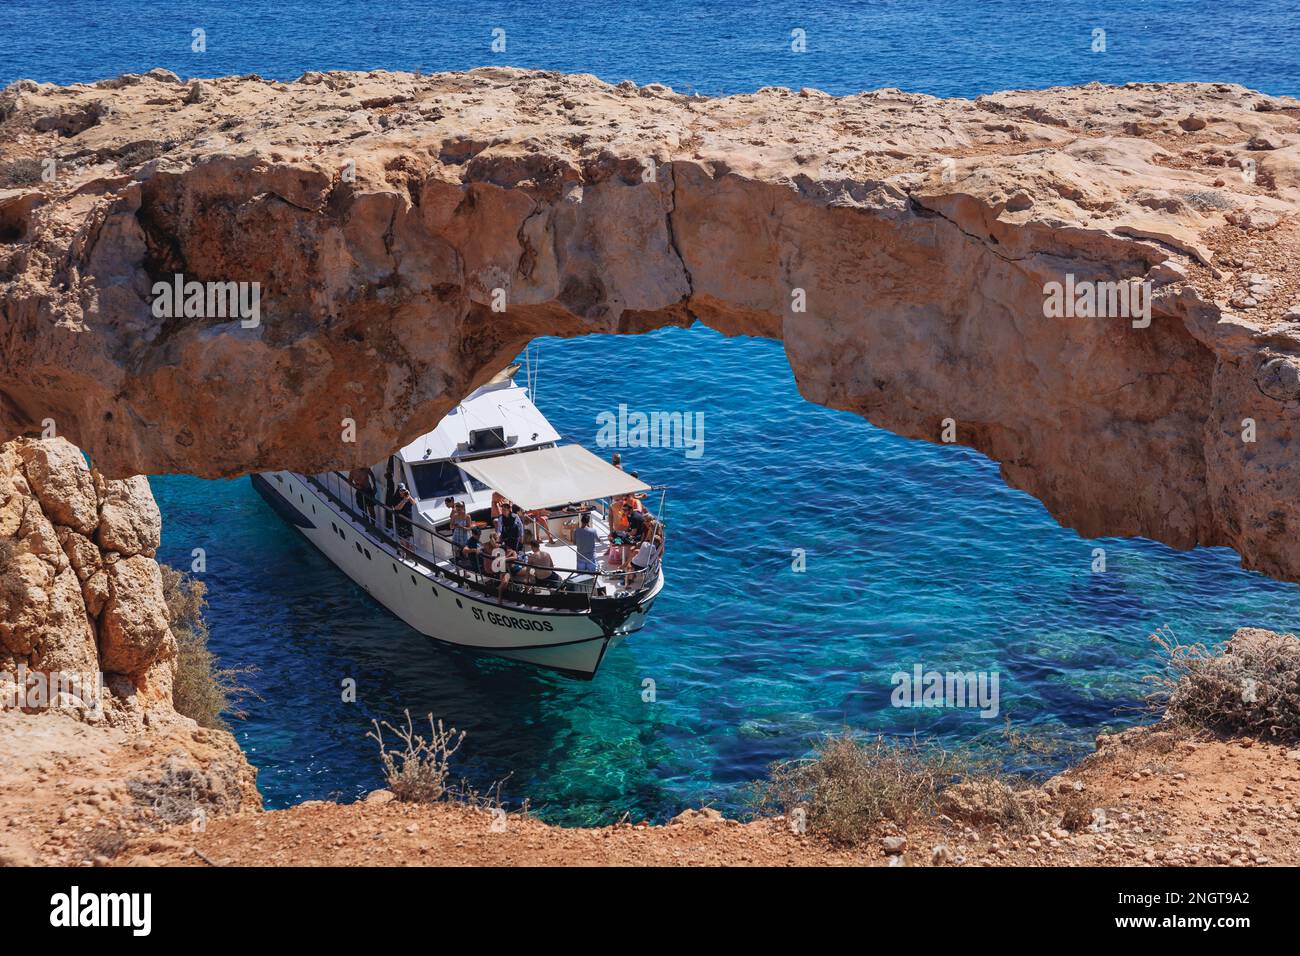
(641, 562)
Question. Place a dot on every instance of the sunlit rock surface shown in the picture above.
(898, 244)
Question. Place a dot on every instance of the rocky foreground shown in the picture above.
(1151, 797)
(91, 746)
(409, 234)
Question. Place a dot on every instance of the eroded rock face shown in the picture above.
(67, 603)
(900, 245)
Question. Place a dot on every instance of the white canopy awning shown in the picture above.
(552, 476)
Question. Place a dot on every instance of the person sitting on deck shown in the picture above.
(500, 559)
(539, 563)
(471, 553)
(642, 561)
(637, 521)
(540, 520)
(585, 539)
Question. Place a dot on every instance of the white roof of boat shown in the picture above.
(552, 476)
(499, 403)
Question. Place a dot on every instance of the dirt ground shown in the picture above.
(1150, 798)
(76, 794)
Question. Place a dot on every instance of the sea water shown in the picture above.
(811, 557)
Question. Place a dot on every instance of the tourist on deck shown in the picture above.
(404, 514)
(618, 515)
(539, 563)
(500, 559)
(639, 563)
(585, 538)
(540, 520)
(472, 553)
(636, 523)
(510, 527)
(460, 525)
(363, 481)
(637, 498)
(390, 491)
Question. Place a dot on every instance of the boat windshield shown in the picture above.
(437, 480)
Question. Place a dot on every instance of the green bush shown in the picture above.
(203, 690)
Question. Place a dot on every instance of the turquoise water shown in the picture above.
(915, 554)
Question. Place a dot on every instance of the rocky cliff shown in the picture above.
(80, 591)
(408, 234)
(89, 738)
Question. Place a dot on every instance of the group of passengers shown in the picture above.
(507, 551)
(511, 548)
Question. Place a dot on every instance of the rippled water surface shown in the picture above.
(915, 553)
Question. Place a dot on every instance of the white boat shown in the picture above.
(494, 443)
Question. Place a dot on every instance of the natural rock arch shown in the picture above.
(380, 212)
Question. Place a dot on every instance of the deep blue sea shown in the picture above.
(915, 553)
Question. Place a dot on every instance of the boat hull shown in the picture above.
(572, 643)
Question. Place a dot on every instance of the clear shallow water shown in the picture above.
(915, 553)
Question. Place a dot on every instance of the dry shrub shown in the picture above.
(417, 771)
(1251, 687)
(185, 794)
(849, 786)
(203, 690)
(1075, 808)
(134, 154)
(20, 172)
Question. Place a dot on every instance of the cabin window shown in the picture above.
(437, 480)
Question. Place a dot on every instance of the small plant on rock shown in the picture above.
(418, 768)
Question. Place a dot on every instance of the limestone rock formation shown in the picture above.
(92, 750)
(408, 234)
(80, 591)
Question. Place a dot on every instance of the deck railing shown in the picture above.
(437, 551)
